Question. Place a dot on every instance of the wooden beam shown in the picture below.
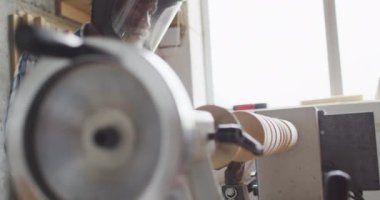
(27, 19)
(14, 54)
(39, 21)
(68, 10)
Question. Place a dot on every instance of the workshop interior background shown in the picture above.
(186, 59)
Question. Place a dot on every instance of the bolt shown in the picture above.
(230, 193)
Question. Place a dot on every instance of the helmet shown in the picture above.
(143, 22)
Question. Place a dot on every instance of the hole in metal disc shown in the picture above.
(107, 138)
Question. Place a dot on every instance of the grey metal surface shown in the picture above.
(201, 181)
(348, 143)
(154, 97)
(69, 118)
(296, 174)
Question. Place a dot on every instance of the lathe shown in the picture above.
(99, 119)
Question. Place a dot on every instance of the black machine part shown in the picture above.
(348, 143)
(336, 185)
(235, 188)
(232, 133)
(44, 42)
(235, 192)
(234, 173)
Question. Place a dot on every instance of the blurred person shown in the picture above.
(142, 23)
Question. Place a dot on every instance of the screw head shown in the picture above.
(230, 193)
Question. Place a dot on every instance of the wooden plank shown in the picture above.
(334, 99)
(27, 19)
(83, 5)
(14, 54)
(69, 10)
(40, 22)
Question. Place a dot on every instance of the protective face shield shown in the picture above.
(142, 22)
